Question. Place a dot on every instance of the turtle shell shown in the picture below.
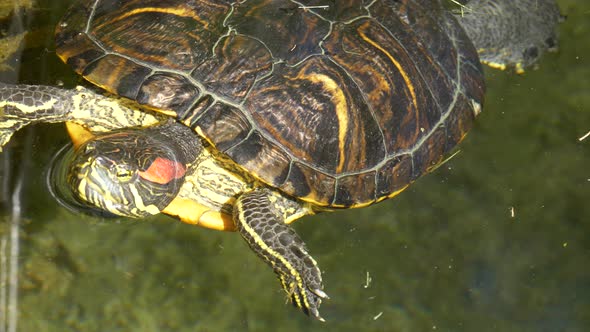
(339, 103)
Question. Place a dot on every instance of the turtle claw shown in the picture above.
(280, 247)
(314, 305)
(304, 286)
(315, 313)
(320, 293)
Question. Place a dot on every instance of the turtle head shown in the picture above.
(131, 173)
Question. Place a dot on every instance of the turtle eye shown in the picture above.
(123, 173)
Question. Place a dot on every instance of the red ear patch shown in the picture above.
(163, 171)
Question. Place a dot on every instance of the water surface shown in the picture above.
(497, 239)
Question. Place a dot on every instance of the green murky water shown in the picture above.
(497, 239)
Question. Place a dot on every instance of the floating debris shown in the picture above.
(378, 315)
(368, 280)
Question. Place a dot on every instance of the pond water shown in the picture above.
(496, 239)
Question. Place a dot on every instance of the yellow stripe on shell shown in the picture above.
(339, 100)
(177, 11)
(395, 193)
(399, 67)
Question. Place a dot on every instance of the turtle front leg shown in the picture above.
(21, 105)
(264, 229)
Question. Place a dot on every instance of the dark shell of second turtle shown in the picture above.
(338, 103)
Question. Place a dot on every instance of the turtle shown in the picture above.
(511, 36)
(245, 116)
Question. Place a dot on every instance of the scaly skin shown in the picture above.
(280, 247)
(513, 33)
(261, 216)
(21, 105)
